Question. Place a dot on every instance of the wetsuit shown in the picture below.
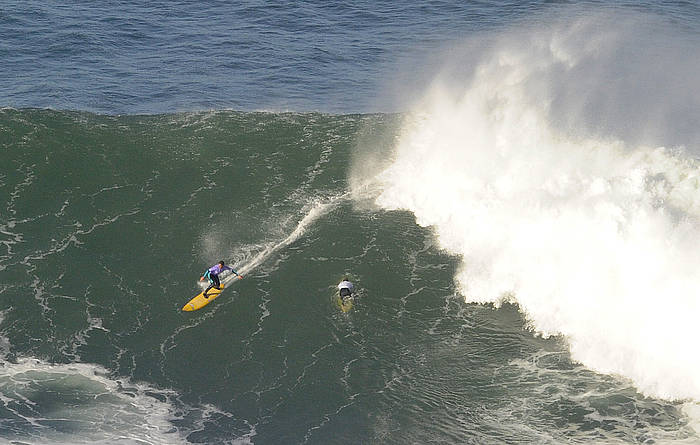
(213, 274)
(345, 289)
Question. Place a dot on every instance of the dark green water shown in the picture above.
(107, 223)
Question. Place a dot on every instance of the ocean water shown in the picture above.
(513, 187)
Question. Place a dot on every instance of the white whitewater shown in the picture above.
(590, 230)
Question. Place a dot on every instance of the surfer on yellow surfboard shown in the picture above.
(213, 274)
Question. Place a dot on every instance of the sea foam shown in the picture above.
(80, 403)
(592, 229)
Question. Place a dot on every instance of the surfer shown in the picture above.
(345, 289)
(213, 274)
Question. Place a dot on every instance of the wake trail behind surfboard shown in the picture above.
(318, 209)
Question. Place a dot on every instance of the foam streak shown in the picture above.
(317, 210)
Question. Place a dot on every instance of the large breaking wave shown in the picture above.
(557, 161)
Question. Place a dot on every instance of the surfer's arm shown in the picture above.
(231, 269)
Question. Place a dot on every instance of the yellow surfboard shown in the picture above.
(344, 304)
(199, 301)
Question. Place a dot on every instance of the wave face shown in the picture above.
(559, 164)
(108, 222)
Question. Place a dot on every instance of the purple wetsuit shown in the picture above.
(213, 274)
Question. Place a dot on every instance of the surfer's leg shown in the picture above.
(211, 285)
(213, 282)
